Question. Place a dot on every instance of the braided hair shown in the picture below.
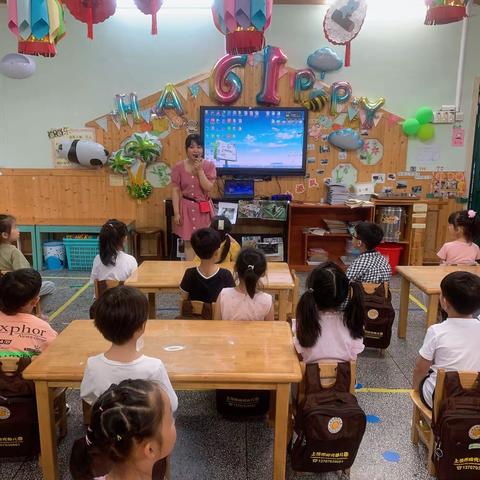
(124, 415)
(327, 288)
(111, 238)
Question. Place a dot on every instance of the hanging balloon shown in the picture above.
(169, 99)
(302, 80)
(370, 109)
(426, 132)
(424, 115)
(84, 152)
(273, 59)
(150, 7)
(324, 60)
(225, 85)
(340, 92)
(15, 65)
(410, 126)
(91, 11)
(123, 108)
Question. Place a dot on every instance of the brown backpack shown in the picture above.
(329, 424)
(379, 315)
(457, 431)
(18, 414)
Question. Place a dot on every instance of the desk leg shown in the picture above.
(152, 313)
(282, 305)
(46, 424)
(281, 429)
(432, 310)
(403, 313)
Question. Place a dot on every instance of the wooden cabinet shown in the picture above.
(311, 215)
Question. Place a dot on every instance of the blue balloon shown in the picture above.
(324, 60)
(346, 139)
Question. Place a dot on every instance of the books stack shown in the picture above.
(336, 226)
(337, 194)
(316, 256)
(357, 202)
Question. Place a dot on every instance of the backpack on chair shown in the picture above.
(379, 315)
(329, 424)
(457, 431)
(18, 414)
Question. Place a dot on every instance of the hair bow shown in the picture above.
(471, 213)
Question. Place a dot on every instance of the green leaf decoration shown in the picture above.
(119, 162)
(140, 191)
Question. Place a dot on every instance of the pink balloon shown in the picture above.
(273, 59)
(225, 85)
(340, 92)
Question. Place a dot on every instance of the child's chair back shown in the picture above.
(197, 310)
(100, 287)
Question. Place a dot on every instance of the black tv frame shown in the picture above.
(260, 172)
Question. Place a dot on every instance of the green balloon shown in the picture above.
(410, 126)
(426, 132)
(424, 115)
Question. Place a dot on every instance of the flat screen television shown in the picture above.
(255, 141)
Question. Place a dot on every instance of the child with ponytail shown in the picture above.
(245, 301)
(322, 330)
(113, 263)
(465, 227)
(131, 433)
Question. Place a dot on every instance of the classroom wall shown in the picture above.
(394, 56)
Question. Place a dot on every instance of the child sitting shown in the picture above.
(21, 333)
(11, 258)
(322, 330)
(113, 263)
(245, 302)
(452, 344)
(121, 316)
(131, 431)
(205, 282)
(371, 266)
(462, 251)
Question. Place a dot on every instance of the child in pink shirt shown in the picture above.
(462, 251)
(22, 333)
(322, 331)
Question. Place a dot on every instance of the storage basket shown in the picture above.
(81, 252)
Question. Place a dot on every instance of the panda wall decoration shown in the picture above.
(84, 152)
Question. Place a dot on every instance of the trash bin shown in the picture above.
(392, 222)
(54, 253)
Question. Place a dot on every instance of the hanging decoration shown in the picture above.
(441, 12)
(324, 60)
(317, 99)
(370, 109)
(302, 80)
(273, 59)
(226, 85)
(83, 152)
(343, 21)
(123, 108)
(37, 24)
(91, 11)
(169, 99)
(346, 139)
(421, 126)
(18, 66)
(340, 92)
(150, 7)
(243, 23)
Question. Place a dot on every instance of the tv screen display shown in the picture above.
(255, 141)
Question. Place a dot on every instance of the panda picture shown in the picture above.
(84, 152)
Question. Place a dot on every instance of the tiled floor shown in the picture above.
(212, 448)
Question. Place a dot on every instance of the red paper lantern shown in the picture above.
(441, 12)
(91, 11)
(150, 7)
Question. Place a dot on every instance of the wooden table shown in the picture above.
(426, 279)
(72, 225)
(154, 276)
(198, 355)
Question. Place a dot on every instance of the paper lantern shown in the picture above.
(37, 24)
(91, 11)
(441, 12)
(150, 7)
(243, 23)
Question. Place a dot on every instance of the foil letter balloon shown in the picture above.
(226, 85)
(302, 80)
(123, 108)
(340, 92)
(370, 109)
(168, 99)
(273, 59)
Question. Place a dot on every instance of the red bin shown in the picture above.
(392, 251)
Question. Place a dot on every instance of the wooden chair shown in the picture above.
(101, 286)
(422, 416)
(158, 235)
(9, 365)
(195, 309)
(294, 295)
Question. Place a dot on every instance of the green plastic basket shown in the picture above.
(81, 252)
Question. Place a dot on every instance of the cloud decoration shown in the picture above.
(346, 139)
(16, 65)
(324, 60)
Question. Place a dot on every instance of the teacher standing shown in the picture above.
(192, 180)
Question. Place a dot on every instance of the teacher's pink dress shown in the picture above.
(189, 185)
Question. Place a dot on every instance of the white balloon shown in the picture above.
(16, 65)
(84, 152)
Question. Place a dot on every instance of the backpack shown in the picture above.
(329, 424)
(18, 414)
(457, 431)
(379, 315)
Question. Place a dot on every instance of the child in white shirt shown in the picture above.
(113, 263)
(453, 344)
(121, 315)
